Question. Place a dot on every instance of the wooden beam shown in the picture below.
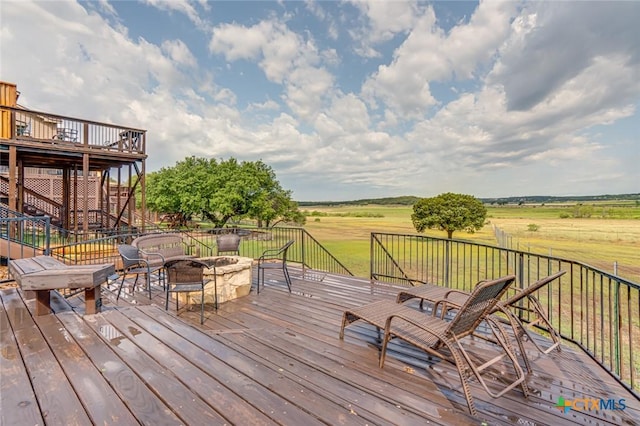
(143, 198)
(13, 179)
(85, 200)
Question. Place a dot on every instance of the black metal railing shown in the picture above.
(596, 310)
(22, 236)
(306, 251)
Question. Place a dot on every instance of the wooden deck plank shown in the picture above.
(242, 374)
(508, 408)
(131, 389)
(100, 401)
(450, 373)
(57, 401)
(236, 410)
(18, 402)
(363, 391)
(355, 401)
(275, 358)
(163, 382)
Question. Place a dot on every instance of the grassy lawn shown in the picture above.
(611, 234)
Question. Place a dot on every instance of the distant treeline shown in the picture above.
(539, 199)
(409, 200)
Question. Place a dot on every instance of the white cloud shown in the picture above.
(179, 52)
(384, 19)
(430, 55)
(185, 7)
(284, 57)
(538, 98)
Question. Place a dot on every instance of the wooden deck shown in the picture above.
(272, 358)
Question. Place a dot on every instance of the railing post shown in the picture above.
(616, 328)
(371, 257)
(47, 235)
(303, 252)
(447, 248)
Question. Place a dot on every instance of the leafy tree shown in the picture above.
(221, 190)
(449, 212)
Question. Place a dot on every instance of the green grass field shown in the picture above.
(610, 236)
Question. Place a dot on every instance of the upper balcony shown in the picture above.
(47, 139)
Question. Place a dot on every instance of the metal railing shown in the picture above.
(597, 311)
(22, 236)
(306, 251)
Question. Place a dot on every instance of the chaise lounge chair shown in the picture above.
(431, 334)
(522, 300)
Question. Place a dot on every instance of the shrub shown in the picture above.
(533, 227)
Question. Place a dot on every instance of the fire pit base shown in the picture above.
(233, 275)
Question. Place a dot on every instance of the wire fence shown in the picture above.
(623, 270)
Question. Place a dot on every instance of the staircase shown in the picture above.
(37, 205)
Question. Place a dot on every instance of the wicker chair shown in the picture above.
(228, 243)
(432, 293)
(186, 276)
(134, 263)
(431, 334)
(274, 259)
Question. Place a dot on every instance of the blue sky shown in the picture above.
(348, 100)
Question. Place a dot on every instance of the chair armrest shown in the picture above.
(270, 254)
(152, 253)
(447, 303)
(140, 263)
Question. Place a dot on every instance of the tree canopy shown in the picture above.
(449, 212)
(221, 190)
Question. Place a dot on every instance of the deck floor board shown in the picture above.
(272, 358)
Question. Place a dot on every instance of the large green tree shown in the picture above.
(221, 190)
(449, 212)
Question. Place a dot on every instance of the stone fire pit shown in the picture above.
(233, 275)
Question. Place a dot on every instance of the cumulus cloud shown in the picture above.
(285, 58)
(429, 54)
(382, 20)
(556, 41)
(516, 98)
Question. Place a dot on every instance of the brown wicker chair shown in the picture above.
(431, 334)
(187, 275)
(228, 243)
(522, 300)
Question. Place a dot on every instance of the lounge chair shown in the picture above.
(430, 333)
(517, 302)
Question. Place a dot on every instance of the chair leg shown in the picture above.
(121, 284)
(215, 289)
(287, 277)
(148, 276)
(166, 300)
(202, 305)
(260, 276)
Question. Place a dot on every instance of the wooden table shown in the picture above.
(42, 274)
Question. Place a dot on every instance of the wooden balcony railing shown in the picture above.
(52, 129)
